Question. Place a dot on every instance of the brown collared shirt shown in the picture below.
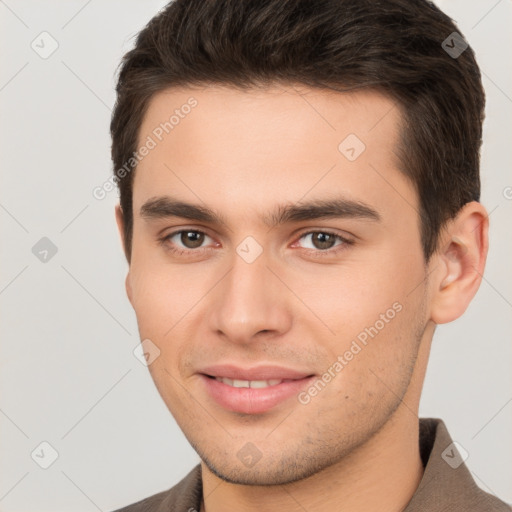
(446, 486)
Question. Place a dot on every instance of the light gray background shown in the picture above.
(68, 374)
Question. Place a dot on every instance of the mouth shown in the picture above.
(254, 384)
(253, 391)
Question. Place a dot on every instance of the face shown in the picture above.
(277, 267)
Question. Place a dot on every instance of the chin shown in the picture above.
(265, 474)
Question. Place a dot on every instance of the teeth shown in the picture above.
(260, 384)
(257, 384)
(265, 383)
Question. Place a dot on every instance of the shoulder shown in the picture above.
(185, 496)
(447, 483)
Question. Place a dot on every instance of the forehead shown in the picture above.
(258, 147)
(297, 110)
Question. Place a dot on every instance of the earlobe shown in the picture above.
(459, 263)
(120, 227)
(128, 286)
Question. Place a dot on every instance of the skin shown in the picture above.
(242, 154)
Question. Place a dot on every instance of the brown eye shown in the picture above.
(187, 242)
(192, 239)
(321, 240)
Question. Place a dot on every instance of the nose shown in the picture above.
(250, 302)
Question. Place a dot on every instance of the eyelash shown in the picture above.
(317, 253)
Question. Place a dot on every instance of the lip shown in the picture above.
(257, 373)
(253, 400)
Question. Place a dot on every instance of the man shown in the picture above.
(299, 209)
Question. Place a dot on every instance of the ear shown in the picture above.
(459, 263)
(120, 227)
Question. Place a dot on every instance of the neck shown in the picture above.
(382, 475)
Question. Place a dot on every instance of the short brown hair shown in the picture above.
(393, 46)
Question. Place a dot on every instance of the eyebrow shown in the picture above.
(165, 206)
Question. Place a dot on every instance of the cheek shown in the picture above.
(162, 295)
(151, 302)
(374, 317)
(352, 297)
(378, 361)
